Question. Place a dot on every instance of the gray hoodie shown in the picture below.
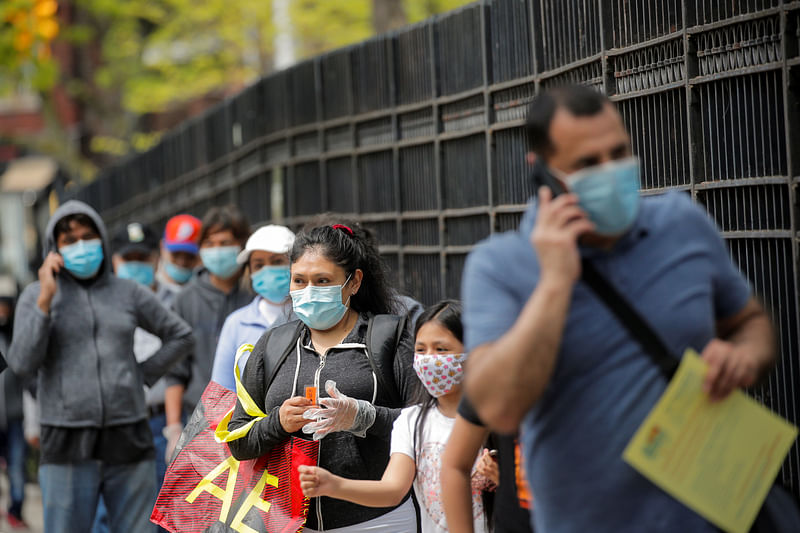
(83, 350)
(205, 308)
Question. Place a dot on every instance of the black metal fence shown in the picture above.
(419, 133)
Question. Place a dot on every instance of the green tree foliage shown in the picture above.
(27, 27)
(154, 54)
(158, 53)
(322, 25)
(417, 10)
(137, 57)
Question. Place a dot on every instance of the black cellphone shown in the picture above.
(541, 176)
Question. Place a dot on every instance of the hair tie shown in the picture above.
(343, 227)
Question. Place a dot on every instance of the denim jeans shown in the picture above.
(100, 518)
(70, 494)
(157, 425)
(15, 459)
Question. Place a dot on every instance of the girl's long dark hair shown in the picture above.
(448, 314)
(350, 246)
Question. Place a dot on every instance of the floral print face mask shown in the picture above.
(439, 372)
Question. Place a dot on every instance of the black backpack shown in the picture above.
(383, 337)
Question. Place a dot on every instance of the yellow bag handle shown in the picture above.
(222, 434)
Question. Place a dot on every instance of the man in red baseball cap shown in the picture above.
(179, 251)
(179, 258)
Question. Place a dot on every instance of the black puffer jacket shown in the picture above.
(342, 453)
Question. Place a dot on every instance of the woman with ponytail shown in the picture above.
(338, 288)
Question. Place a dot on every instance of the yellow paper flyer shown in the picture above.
(719, 459)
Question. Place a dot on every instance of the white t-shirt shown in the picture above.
(272, 311)
(427, 483)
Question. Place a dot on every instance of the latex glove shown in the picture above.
(342, 413)
(172, 433)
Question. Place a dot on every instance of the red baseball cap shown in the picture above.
(182, 233)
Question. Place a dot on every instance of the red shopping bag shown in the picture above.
(207, 490)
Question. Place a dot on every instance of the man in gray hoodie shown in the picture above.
(75, 326)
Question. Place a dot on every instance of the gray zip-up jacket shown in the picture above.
(341, 452)
(83, 350)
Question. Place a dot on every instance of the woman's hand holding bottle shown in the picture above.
(291, 413)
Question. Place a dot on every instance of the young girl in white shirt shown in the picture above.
(420, 432)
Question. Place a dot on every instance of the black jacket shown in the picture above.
(10, 387)
(342, 453)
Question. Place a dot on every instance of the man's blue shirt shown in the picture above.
(674, 269)
(243, 326)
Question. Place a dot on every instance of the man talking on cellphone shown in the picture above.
(75, 327)
(549, 357)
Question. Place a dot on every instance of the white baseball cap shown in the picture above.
(271, 238)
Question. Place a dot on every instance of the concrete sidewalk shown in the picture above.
(31, 510)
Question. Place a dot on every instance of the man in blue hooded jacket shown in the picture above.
(75, 327)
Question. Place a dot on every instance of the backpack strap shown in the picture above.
(636, 325)
(383, 338)
(280, 342)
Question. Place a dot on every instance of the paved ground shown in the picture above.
(31, 511)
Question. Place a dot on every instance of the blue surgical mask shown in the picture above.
(83, 258)
(138, 271)
(272, 282)
(609, 193)
(220, 260)
(319, 308)
(176, 273)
